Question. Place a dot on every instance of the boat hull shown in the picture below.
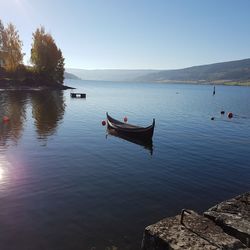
(128, 130)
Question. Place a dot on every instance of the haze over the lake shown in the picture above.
(136, 34)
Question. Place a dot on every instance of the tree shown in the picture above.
(1, 36)
(2, 44)
(12, 47)
(47, 59)
(59, 72)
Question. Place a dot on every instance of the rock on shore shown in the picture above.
(224, 226)
(233, 216)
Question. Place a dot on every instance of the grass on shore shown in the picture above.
(237, 83)
(217, 82)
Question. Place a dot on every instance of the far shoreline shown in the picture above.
(27, 85)
(216, 83)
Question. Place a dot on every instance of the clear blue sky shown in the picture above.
(136, 34)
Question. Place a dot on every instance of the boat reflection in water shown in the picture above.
(145, 144)
(138, 135)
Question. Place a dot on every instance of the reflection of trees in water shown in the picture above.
(47, 110)
(13, 105)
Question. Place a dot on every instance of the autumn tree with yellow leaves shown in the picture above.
(10, 47)
(46, 57)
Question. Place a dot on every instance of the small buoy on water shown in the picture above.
(6, 118)
(103, 123)
(212, 118)
(125, 119)
(230, 115)
(222, 112)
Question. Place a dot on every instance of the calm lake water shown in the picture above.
(66, 184)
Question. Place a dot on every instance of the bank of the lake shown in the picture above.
(236, 83)
(225, 83)
(30, 85)
(223, 226)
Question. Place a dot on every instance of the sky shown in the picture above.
(136, 34)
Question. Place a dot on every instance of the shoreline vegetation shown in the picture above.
(226, 83)
(29, 85)
(46, 71)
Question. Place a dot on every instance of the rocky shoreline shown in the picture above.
(224, 226)
(30, 85)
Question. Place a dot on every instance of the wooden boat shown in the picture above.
(142, 133)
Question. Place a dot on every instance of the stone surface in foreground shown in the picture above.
(196, 232)
(233, 216)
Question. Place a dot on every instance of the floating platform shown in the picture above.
(78, 95)
(224, 226)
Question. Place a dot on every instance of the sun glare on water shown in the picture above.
(3, 170)
(1, 173)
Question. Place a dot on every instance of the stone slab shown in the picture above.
(196, 232)
(233, 216)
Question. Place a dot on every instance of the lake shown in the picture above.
(67, 184)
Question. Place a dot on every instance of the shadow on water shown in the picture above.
(47, 110)
(148, 145)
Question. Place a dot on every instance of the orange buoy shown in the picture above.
(6, 118)
(103, 123)
(125, 119)
(230, 115)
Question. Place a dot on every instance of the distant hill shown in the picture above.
(70, 76)
(110, 74)
(233, 71)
